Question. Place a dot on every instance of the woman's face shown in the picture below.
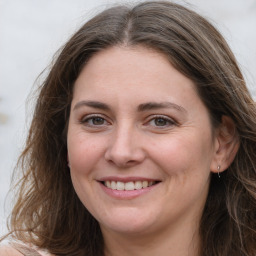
(140, 142)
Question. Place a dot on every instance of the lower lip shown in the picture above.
(126, 194)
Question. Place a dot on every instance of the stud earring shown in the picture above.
(218, 168)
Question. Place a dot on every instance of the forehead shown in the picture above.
(127, 69)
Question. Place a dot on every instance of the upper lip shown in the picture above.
(126, 179)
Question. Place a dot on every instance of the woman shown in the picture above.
(142, 143)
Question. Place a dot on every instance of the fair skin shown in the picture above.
(139, 124)
(136, 120)
(9, 251)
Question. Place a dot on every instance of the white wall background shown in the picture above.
(30, 33)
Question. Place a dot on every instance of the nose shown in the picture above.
(125, 148)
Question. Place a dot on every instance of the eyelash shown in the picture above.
(169, 121)
(87, 119)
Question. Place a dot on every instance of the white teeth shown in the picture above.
(113, 185)
(129, 185)
(108, 184)
(138, 185)
(118, 185)
(145, 184)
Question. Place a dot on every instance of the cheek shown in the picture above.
(183, 154)
(83, 153)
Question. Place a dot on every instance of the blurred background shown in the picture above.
(32, 31)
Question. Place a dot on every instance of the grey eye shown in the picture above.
(160, 121)
(97, 120)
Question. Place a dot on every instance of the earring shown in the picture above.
(218, 168)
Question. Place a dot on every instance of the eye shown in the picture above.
(161, 122)
(94, 120)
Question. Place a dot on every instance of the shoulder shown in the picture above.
(21, 250)
(6, 250)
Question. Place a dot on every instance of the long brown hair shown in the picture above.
(48, 212)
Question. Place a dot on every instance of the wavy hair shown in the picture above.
(48, 212)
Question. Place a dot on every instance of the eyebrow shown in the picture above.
(141, 108)
(159, 105)
(93, 104)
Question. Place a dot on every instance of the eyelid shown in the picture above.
(167, 118)
(170, 121)
(87, 117)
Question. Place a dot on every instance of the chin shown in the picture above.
(128, 221)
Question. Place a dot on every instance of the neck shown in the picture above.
(172, 241)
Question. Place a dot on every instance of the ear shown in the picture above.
(226, 145)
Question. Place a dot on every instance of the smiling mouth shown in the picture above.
(128, 186)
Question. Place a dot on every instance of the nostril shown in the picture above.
(123, 164)
(131, 162)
